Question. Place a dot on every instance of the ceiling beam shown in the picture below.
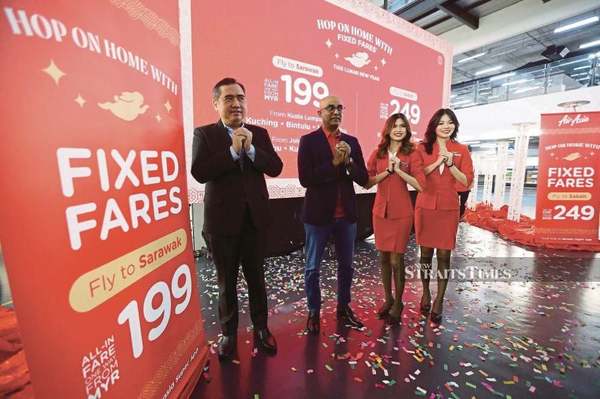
(436, 22)
(414, 11)
(424, 15)
(465, 17)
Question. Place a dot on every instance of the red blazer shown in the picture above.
(440, 192)
(392, 200)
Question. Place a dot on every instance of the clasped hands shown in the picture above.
(396, 165)
(342, 153)
(446, 157)
(241, 138)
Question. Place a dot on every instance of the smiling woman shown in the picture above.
(392, 166)
(437, 208)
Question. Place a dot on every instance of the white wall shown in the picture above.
(495, 121)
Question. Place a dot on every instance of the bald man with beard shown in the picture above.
(329, 161)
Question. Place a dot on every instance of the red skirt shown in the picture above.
(436, 228)
(391, 235)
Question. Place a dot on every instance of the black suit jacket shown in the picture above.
(228, 188)
(322, 179)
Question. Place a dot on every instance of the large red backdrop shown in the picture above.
(290, 54)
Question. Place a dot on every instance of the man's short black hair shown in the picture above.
(216, 92)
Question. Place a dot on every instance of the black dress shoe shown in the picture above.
(347, 315)
(227, 344)
(313, 324)
(265, 341)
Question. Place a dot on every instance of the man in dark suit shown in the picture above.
(231, 157)
(329, 161)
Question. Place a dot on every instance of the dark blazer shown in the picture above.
(228, 188)
(321, 179)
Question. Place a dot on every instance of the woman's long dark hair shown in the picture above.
(406, 147)
(430, 135)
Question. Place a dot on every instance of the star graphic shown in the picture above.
(337, 55)
(158, 118)
(54, 72)
(80, 100)
(383, 62)
(375, 67)
(328, 43)
(168, 106)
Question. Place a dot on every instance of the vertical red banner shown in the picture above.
(568, 192)
(95, 226)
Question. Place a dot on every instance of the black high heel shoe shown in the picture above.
(396, 318)
(384, 310)
(436, 317)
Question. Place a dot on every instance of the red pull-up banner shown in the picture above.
(568, 192)
(95, 227)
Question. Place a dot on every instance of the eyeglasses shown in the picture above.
(332, 108)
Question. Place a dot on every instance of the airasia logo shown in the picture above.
(568, 121)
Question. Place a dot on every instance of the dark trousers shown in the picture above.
(228, 251)
(464, 195)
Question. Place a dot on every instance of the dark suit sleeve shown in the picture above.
(357, 170)
(266, 160)
(309, 173)
(207, 165)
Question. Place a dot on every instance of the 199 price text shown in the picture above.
(303, 91)
(131, 313)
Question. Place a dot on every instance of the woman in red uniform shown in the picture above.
(437, 210)
(392, 165)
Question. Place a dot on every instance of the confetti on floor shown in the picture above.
(534, 335)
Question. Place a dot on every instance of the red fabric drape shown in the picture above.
(522, 232)
(15, 381)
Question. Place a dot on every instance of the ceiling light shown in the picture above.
(516, 82)
(581, 67)
(471, 57)
(562, 64)
(461, 102)
(505, 75)
(487, 70)
(590, 44)
(526, 89)
(577, 24)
